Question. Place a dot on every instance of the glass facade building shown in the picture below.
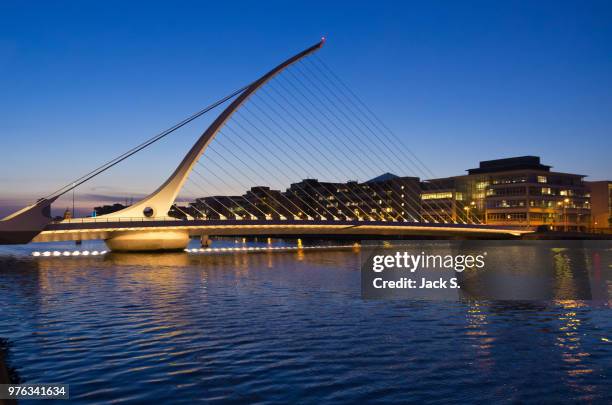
(517, 191)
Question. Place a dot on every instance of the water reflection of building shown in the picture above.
(573, 270)
(477, 330)
(569, 341)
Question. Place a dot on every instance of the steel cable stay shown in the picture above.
(214, 197)
(315, 199)
(290, 167)
(228, 127)
(283, 140)
(368, 110)
(306, 71)
(367, 113)
(211, 163)
(316, 196)
(156, 138)
(347, 144)
(348, 158)
(307, 88)
(259, 164)
(312, 145)
(376, 146)
(101, 169)
(225, 183)
(340, 147)
(304, 148)
(305, 128)
(195, 198)
(161, 200)
(356, 118)
(281, 216)
(251, 214)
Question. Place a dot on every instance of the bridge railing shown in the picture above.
(237, 218)
(168, 218)
(120, 219)
(112, 221)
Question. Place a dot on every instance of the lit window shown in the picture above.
(545, 190)
(437, 196)
(542, 179)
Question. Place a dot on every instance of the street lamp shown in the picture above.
(467, 209)
(565, 219)
(73, 187)
(564, 204)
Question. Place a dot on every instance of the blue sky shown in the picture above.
(459, 82)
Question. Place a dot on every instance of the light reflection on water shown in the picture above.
(288, 326)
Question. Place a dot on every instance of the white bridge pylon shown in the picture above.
(158, 203)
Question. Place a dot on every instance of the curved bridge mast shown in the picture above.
(160, 201)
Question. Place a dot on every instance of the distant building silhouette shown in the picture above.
(107, 209)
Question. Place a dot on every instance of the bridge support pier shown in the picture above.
(148, 241)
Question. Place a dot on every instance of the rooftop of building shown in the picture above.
(509, 164)
(498, 167)
(389, 176)
(595, 182)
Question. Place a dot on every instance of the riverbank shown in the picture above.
(5, 379)
(4, 375)
(558, 235)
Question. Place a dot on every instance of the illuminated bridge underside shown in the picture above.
(94, 230)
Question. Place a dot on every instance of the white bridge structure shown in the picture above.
(145, 225)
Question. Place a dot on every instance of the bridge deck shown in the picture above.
(90, 228)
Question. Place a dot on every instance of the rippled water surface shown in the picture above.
(283, 327)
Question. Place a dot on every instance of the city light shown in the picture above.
(68, 253)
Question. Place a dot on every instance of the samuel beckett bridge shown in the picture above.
(298, 121)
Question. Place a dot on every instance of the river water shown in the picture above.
(283, 327)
